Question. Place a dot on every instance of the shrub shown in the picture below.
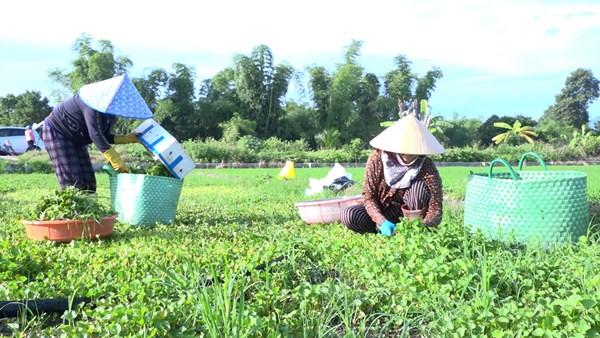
(251, 143)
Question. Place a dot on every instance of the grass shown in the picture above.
(239, 262)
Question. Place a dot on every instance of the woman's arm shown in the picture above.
(373, 177)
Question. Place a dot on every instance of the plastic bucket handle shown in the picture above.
(538, 157)
(506, 164)
(109, 170)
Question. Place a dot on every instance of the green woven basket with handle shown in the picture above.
(144, 200)
(549, 207)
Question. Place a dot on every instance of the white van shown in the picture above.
(16, 136)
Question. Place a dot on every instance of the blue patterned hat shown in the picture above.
(117, 96)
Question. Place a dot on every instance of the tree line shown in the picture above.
(247, 100)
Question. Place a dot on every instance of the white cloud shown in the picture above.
(507, 37)
(490, 40)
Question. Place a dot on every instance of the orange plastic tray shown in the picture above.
(68, 230)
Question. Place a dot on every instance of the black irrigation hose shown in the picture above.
(259, 267)
(12, 308)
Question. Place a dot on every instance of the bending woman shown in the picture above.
(399, 178)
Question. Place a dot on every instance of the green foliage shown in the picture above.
(261, 86)
(154, 169)
(354, 149)
(526, 132)
(275, 144)
(456, 132)
(250, 143)
(328, 139)
(175, 112)
(42, 165)
(239, 261)
(236, 127)
(134, 153)
(24, 109)
(298, 123)
(487, 130)
(400, 83)
(213, 151)
(91, 65)
(29, 162)
(345, 89)
(571, 106)
(554, 132)
(68, 204)
(583, 141)
(508, 152)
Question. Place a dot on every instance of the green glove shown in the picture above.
(115, 160)
(129, 138)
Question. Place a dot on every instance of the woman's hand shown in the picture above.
(387, 228)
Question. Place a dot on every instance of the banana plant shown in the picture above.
(429, 122)
(517, 129)
(580, 138)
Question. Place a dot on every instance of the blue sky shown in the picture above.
(503, 57)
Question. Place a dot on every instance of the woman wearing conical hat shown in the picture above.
(399, 178)
(86, 118)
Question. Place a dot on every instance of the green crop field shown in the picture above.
(239, 262)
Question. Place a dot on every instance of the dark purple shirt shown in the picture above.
(81, 124)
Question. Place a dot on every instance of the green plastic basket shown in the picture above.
(144, 200)
(549, 207)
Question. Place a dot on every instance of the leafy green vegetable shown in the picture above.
(155, 169)
(158, 169)
(69, 203)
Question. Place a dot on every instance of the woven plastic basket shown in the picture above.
(144, 200)
(549, 207)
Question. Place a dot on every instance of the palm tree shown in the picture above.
(328, 139)
(526, 132)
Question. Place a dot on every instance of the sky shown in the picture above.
(502, 57)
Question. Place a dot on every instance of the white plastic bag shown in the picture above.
(316, 186)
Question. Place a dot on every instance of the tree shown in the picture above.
(91, 65)
(218, 101)
(176, 111)
(261, 87)
(152, 87)
(597, 126)
(328, 139)
(554, 132)
(345, 89)
(517, 129)
(299, 122)
(23, 109)
(407, 88)
(236, 127)
(363, 123)
(571, 106)
(347, 100)
(320, 87)
(458, 132)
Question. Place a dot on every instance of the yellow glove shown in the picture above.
(115, 160)
(129, 138)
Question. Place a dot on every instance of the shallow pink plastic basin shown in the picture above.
(327, 210)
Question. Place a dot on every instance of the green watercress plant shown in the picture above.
(156, 169)
(66, 204)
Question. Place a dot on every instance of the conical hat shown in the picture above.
(117, 96)
(407, 136)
